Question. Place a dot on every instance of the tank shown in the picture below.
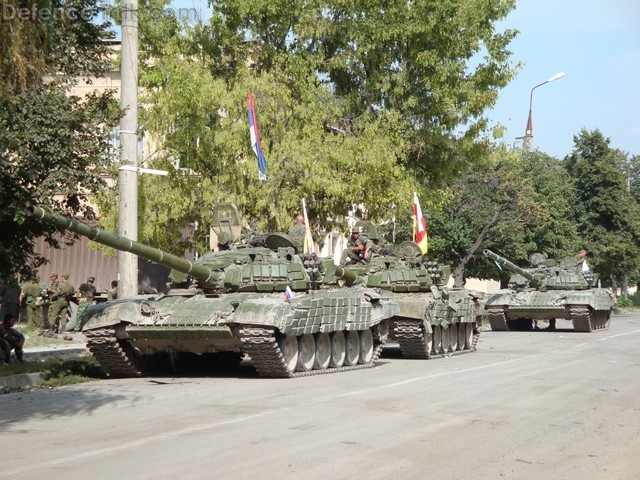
(291, 314)
(546, 291)
(433, 321)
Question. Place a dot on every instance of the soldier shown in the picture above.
(85, 294)
(297, 232)
(358, 248)
(10, 339)
(60, 298)
(112, 293)
(32, 296)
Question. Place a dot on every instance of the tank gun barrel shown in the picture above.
(124, 244)
(349, 276)
(512, 267)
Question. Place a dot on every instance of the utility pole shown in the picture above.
(127, 177)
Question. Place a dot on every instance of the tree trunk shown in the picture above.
(624, 287)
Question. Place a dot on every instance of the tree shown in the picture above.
(357, 104)
(608, 218)
(437, 65)
(491, 207)
(517, 206)
(53, 146)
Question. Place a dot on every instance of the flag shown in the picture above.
(288, 294)
(255, 141)
(309, 247)
(419, 226)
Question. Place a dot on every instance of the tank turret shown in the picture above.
(291, 314)
(503, 262)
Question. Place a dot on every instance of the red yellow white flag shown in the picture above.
(419, 226)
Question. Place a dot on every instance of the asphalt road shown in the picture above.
(526, 405)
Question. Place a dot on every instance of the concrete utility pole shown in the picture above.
(128, 178)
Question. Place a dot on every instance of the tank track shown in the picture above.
(410, 337)
(497, 318)
(586, 320)
(106, 349)
(261, 345)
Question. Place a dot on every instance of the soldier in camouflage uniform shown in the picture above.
(32, 296)
(60, 298)
(297, 233)
(85, 294)
(358, 249)
(10, 339)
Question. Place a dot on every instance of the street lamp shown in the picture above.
(528, 134)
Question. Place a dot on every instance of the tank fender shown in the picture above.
(109, 314)
(267, 311)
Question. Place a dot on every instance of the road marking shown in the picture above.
(125, 446)
(618, 335)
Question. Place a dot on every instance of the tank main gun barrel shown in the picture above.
(349, 276)
(512, 267)
(124, 244)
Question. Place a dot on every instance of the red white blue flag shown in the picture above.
(288, 294)
(255, 141)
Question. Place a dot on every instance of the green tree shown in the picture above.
(491, 207)
(357, 104)
(607, 216)
(53, 146)
(516, 206)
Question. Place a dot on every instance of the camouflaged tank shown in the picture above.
(545, 291)
(286, 311)
(433, 320)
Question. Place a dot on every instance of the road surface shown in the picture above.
(526, 405)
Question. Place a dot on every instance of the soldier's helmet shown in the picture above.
(91, 278)
(368, 228)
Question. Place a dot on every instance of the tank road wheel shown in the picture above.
(428, 342)
(462, 335)
(338, 349)
(353, 348)
(437, 340)
(323, 351)
(306, 352)
(468, 335)
(453, 337)
(366, 346)
(446, 337)
(289, 347)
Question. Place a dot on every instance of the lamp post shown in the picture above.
(528, 134)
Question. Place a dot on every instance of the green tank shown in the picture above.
(433, 321)
(292, 315)
(546, 291)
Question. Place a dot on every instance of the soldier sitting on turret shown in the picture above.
(358, 248)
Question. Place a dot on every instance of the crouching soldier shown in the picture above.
(10, 339)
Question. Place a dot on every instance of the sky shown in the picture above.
(596, 43)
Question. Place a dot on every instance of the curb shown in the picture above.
(22, 380)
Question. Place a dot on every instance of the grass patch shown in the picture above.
(58, 372)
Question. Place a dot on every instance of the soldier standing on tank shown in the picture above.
(10, 339)
(32, 295)
(297, 232)
(358, 248)
(85, 295)
(60, 298)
